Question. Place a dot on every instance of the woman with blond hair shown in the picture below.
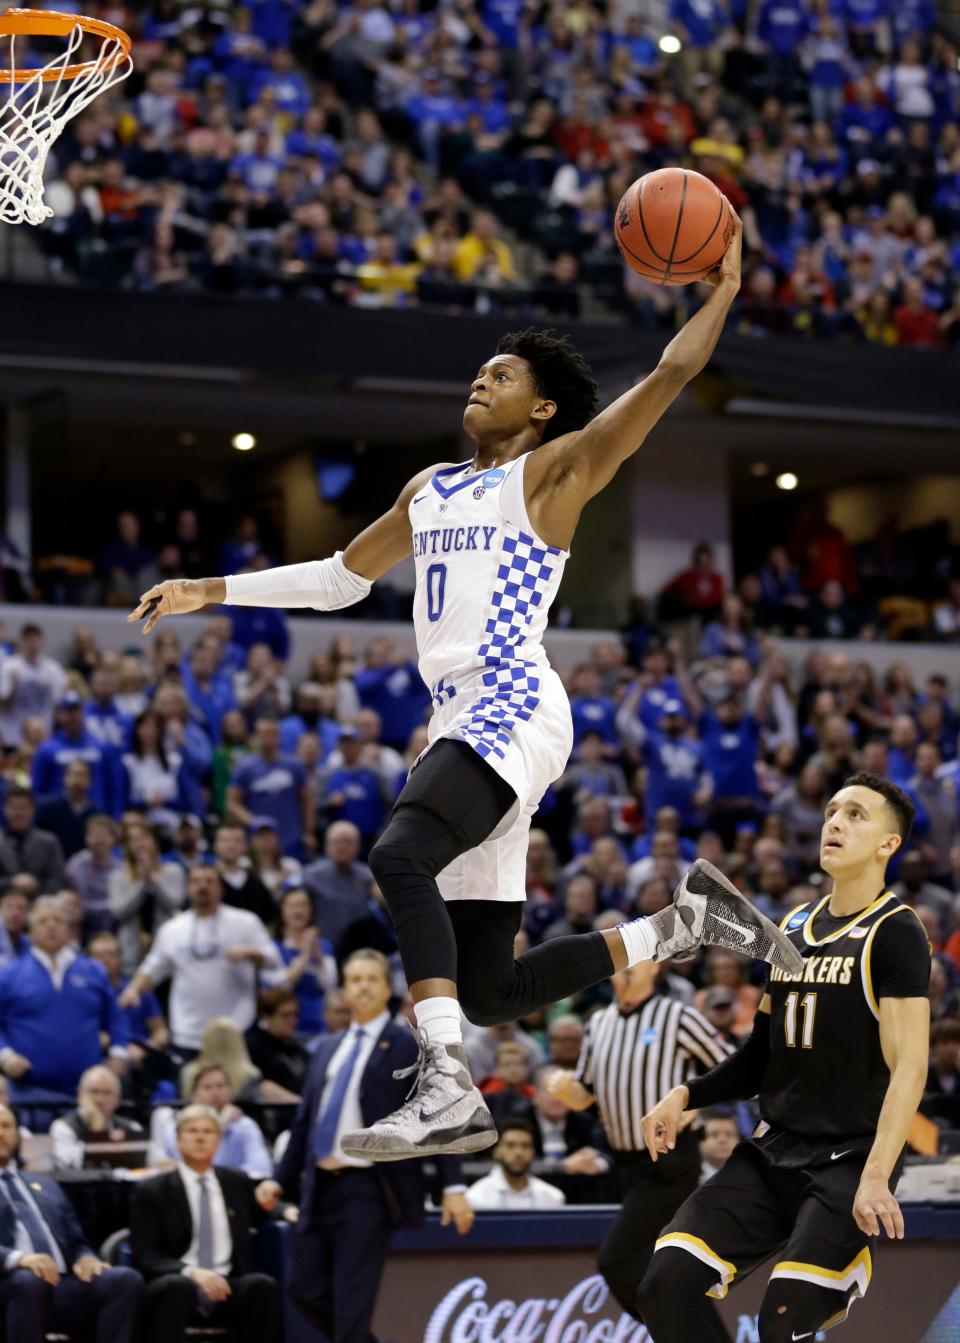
(223, 1046)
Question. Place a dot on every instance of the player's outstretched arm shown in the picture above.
(325, 585)
(580, 464)
(904, 1039)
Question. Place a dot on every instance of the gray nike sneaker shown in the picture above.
(708, 911)
(444, 1112)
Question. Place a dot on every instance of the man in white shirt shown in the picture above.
(212, 954)
(510, 1187)
(30, 685)
(190, 1233)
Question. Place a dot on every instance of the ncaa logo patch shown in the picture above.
(649, 1036)
(798, 919)
(493, 477)
(479, 492)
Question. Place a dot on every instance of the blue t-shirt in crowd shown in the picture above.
(363, 802)
(293, 727)
(783, 24)
(137, 1018)
(730, 755)
(52, 757)
(272, 788)
(503, 17)
(261, 625)
(107, 725)
(702, 19)
(399, 697)
(900, 767)
(642, 847)
(863, 13)
(594, 714)
(310, 995)
(653, 700)
(674, 770)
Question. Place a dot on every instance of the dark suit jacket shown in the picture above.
(57, 1211)
(403, 1182)
(42, 857)
(161, 1226)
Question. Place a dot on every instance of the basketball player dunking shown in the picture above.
(838, 1056)
(490, 539)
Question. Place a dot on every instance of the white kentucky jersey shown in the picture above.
(485, 583)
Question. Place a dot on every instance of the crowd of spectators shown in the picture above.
(197, 887)
(376, 154)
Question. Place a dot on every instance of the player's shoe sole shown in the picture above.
(709, 911)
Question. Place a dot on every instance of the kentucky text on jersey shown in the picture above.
(818, 970)
(443, 540)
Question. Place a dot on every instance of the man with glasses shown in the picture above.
(212, 954)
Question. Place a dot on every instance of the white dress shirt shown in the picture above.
(494, 1194)
(222, 1239)
(22, 1243)
(350, 1117)
(190, 951)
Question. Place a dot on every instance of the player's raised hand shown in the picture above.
(729, 267)
(662, 1123)
(175, 597)
(874, 1206)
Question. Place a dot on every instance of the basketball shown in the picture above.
(673, 226)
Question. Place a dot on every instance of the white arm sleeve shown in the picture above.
(325, 585)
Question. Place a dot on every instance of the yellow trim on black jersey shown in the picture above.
(682, 1240)
(866, 974)
(856, 1275)
(832, 937)
(787, 917)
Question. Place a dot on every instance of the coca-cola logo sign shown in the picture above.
(466, 1316)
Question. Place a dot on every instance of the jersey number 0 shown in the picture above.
(436, 585)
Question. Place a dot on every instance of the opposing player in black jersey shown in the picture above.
(838, 1056)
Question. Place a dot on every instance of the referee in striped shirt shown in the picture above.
(634, 1052)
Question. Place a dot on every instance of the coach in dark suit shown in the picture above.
(53, 1280)
(348, 1209)
(191, 1238)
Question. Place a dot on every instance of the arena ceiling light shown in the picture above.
(669, 44)
(243, 442)
(787, 481)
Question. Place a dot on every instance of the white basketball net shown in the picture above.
(36, 111)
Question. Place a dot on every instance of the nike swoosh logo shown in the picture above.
(835, 1156)
(420, 496)
(796, 1337)
(748, 937)
(435, 1114)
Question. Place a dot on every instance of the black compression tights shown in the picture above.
(451, 803)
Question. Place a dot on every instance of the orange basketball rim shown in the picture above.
(51, 23)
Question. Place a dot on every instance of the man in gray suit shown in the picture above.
(24, 849)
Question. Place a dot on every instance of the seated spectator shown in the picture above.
(589, 774)
(154, 777)
(568, 1140)
(212, 954)
(339, 884)
(310, 968)
(261, 689)
(313, 714)
(67, 816)
(719, 1006)
(241, 1144)
(242, 888)
(190, 848)
(697, 590)
(223, 1046)
(730, 635)
(70, 741)
(14, 917)
(54, 1281)
(143, 893)
(274, 868)
(191, 1238)
(580, 908)
(510, 1187)
(88, 871)
(56, 1011)
(352, 791)
(915, 322)
(146, 1024)
(941, 1097)
(31, 683)
(478, 245)
(234, 746)
(565, 1040)
(95, 1120)
(26, 849)
(126, 565)
(718, 1138)
(482, 1043)
(272, 1041)
(268, 783)
(914, 887)
(944, 999)
(508, 1089)
(725, 969)
(104, 719)
(831, 616)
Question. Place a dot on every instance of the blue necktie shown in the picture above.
(26, 1216)
(325, 1132)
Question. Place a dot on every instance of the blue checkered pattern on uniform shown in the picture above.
(512, 696)
(525, 570)
(442, 693)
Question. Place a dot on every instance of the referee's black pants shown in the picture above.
(650, 1194)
